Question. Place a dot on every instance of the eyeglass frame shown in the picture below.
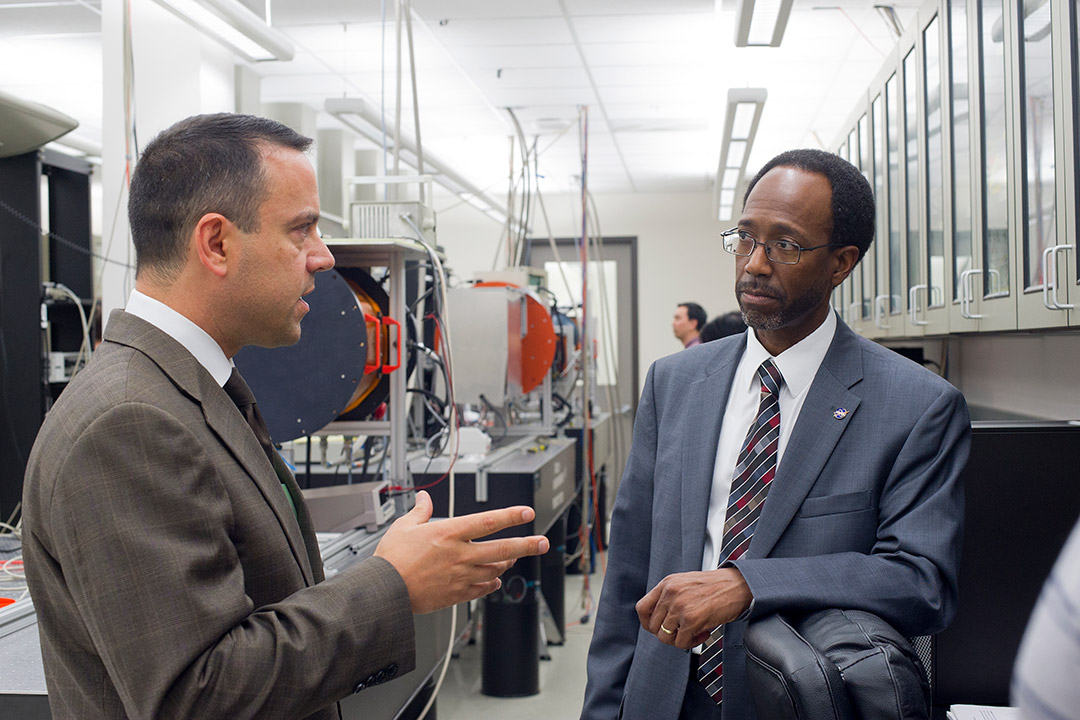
(765, 244)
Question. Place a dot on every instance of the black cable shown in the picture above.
(59, 238)
(427, 393)
(498, 416)
(367, 456)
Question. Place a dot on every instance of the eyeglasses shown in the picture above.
(782, 251)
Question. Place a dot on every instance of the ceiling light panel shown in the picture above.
(693, 75)
(516, 97)
(325, 12)
(535, 78)
(651, 28)
(656, 54)
(47, 19)
(744, 118)
(636, 7)
(761, 22)
(685, 96)
(435, 10)
(492, 33)
(524, 56)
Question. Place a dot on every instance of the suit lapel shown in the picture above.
(226, 421)
(813, 439)
(223, 418)
(704, 416)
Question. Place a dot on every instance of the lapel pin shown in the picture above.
(840, 413)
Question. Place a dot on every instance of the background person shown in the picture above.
(723, 325)
(687, 323)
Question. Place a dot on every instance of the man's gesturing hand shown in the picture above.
(439, 561)
(684, 608)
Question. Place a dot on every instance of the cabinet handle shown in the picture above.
(913, 304)
(967, 293)
(879, 311)
(1050, 286)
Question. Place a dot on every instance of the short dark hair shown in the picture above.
(696, 313)
(852, 199)
(727, 324)
(206, 163)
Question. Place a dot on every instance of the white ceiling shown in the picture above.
(654, 76)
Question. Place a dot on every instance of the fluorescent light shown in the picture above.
(744, 107)
(744, 118)
(1036, 21)
(736, 154)
(233, 25)
(365, 120)
(761, 23)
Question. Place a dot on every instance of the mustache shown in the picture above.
(756, 288)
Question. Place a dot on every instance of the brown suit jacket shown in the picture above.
(169, 574)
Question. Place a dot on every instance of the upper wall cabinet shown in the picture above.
(969, 138)
(1045, 255)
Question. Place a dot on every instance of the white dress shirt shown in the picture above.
(798, 365)
(179, 328)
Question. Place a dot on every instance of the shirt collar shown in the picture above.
(194, 339)
(800, 362)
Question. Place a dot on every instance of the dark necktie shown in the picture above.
(754, 472)
(242, 396)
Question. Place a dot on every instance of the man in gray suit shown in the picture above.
(169, 554)
(864, 510)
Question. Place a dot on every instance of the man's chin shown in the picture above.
(761, 321)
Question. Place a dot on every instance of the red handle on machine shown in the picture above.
(368, 367)
(388, 321)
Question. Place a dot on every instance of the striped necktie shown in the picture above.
(754, 472)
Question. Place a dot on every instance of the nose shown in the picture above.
(758, 262)
(321, 258)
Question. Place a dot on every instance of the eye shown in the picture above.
(784, 245)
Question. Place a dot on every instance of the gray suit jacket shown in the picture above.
(170, 576)
(865, 512)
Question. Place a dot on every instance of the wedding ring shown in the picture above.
(669, 632)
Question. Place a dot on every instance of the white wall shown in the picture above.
(178, 72)
(1026, 374)
(680, 258)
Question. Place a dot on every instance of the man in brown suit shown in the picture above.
(171, 559)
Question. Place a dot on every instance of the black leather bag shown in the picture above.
(834, 664)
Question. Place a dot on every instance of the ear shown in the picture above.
(211, 238)
(844, 260)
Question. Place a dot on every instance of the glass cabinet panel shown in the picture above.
(935, 198)
(854, 311)
(881, 198)
(911, 157)
(995, 176)
(869, 267)
(1037, 128)
(1076, 118)
(892, 118)
(961, 145)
